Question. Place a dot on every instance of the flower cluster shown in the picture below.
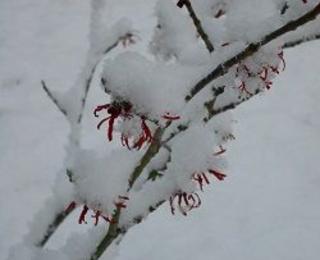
(201, 177)
(120, 204)
(185, 201)
(245, 72)
(123, 110)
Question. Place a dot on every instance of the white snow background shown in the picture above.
(267, 208)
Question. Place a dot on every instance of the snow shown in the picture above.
(142, 78)
(267, 204)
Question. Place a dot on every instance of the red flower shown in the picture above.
(202, 179)
(220, 176)
(221, 151)
(169, 117)
(185, 202)
(243, 88)
(115, 110)
(123, 110)
(82, 217)
(120, 204)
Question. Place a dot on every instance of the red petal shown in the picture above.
(167, 116)
(220, 176)
(110, 128)
(99, 108)
(102, 121)
(83, 214)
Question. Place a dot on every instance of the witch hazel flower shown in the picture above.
(248, 71)
(184, 201)
(97, 213)
(122, 110)
(201, 177)
(135, 130)
(187, 201)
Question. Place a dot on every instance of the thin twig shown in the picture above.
(217, 91)
(114, 231)
(53, 98)
(53, 226)
(252, 48)
(284, 8)
(89, 80)
(305, 39)
(60, 217)
(197, 23)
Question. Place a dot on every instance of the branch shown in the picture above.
(252, 48)
(150, 153)
(231, 105)
(114, 231)
(53, 98)
(89, 79)
(112, 234)
(138, 219)
(197, 23)
(59, 218)
(284, 8)
(217, 91)
(305, 39)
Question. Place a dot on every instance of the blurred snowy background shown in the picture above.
(268, 207)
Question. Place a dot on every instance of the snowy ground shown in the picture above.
(268, 208)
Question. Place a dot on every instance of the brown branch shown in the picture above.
(150, 153)
(252, 48)
(53, 98)
(305, 39)
(114, 231)
(209, 105)
(197, 23)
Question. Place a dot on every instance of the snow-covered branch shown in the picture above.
(120, 33)
(252, 48)
(302, 40)
(197, 23)
(53, 98)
